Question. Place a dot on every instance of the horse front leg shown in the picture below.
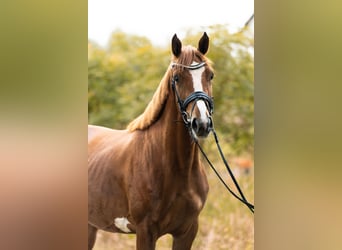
(146, 239)
(184, 241)
(91, 236)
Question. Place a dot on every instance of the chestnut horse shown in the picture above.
(148, 179)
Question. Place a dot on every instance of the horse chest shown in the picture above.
(181, 211)
(189, 202)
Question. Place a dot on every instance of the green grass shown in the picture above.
(225, 223)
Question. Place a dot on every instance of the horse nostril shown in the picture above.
(194, 124)
(210, 124)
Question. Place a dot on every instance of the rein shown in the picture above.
(242, 198)
(200, 95)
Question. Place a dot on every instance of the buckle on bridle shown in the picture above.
(186, 117)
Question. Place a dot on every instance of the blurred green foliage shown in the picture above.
(123, 77)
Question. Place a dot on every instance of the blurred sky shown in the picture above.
(159, 20)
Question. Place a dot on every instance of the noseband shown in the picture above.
(193, 97)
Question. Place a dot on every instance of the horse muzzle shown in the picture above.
(201, 127)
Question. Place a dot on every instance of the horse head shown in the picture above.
(192, 83)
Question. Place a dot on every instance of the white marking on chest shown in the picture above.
(121, 223)
(197, 81)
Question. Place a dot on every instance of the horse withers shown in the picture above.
(148, 179)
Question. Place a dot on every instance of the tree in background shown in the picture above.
(123, 77)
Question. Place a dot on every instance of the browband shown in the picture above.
(190, 67)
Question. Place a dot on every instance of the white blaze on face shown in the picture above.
(121, 223)
(197, 80)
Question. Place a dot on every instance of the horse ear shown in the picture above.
(176, 46)
(203, 44)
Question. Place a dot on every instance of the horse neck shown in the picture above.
(175, 139)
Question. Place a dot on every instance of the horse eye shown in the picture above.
(176, 78)
(211, 76)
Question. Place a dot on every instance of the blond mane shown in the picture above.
(154, 108)
(156, 105)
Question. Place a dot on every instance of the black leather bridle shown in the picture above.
(193, 97)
